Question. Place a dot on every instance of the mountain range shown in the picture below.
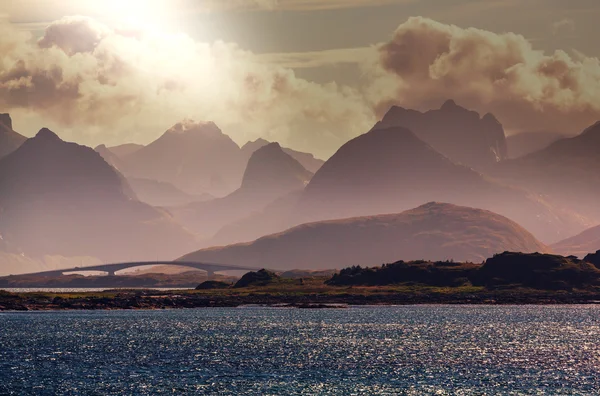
(455, 132)
(566, 173)
(521, 144)
(270, 174)
(389, 170)
(59, 198)
(581, 244)
(195, 188)
(434, 231)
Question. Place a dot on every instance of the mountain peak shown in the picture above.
(189, 126)
(6, 120)
(456, 132)
(255, 145)
(270, 167)
(450, 104)
(490, 118)
(47, 135)
(592, 130)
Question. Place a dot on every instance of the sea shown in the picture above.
(394, 350)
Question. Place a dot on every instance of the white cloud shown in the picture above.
(502, 73)
(131, 85)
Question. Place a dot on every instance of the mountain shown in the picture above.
(389, 170)
(525, 143)
(9, 139)
(434, 231)
(566, 173)
(163, 194)
(152, 192)
(195, 157)
(125, 149)
(307, 160)
(270, 174)
(59, 198)
(111, 158)
(457, 133)
(272, 170)
(581, 244)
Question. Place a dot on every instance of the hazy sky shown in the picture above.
(308, 73)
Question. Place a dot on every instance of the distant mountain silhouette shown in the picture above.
(579, 245)
(271, 169)
(457, 133)
(9, 139)
(125, 149)
(195, 157)
(525, 143)
(152, 192)
(434, 231)
(163, 194)
(270, 174)
(566, 173)
(307, 160)
(59, 198)
(111, 158)
(389, 170)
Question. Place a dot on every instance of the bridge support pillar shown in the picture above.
(210, 274)
(110, 273)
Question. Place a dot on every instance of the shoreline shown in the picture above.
(157, 300)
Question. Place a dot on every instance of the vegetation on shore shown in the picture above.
(507, 278)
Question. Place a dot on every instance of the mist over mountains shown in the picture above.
(194, 188)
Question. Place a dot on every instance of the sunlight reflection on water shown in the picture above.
(362, 350)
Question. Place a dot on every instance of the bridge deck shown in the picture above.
(112, 268)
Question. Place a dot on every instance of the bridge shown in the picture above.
(112, 269)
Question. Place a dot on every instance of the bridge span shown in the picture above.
(112, 269)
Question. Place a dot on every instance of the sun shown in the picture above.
(149, 15)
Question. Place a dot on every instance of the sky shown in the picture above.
(310, 74)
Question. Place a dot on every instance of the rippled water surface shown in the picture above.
(439, 350)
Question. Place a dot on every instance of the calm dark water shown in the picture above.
(441, 350)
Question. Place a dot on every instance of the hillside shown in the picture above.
(196, 158)
(270, 174)
(457, 133)
(567, 173)
(123, 150)
(525, 143)
(389, 170)
(307, 160)
(581, 244)
(163, 194)
(9, 139)
(434, 231)
(60, 198)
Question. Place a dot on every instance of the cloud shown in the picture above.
(292, 5)
(98, 84)
(565, 25)
(427, 61)
(311, 59)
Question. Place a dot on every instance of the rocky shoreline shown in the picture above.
(149, 299)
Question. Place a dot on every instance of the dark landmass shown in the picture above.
(258, 278)
(180, 280)
(307, 295)
(508, 278)
(211, 285)
(506, 270)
